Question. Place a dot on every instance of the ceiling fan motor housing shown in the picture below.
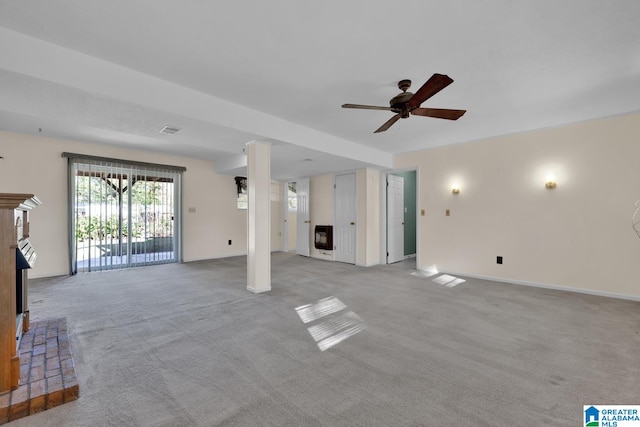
(399, 104)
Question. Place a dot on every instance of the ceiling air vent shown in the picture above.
(169, 130)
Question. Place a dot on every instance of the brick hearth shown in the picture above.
(47, 373)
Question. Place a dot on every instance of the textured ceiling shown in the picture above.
(231, 72)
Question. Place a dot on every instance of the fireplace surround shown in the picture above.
(16, 256)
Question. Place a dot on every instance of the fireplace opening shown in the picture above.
(324, 237)
(25, 259)
(21, 280)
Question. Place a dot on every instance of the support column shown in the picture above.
(259, 217)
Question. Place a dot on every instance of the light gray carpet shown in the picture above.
(186, 344)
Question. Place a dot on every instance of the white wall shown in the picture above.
(206, 232)
(292, 221)
(368, 217)
(578, 235)
(321, 209)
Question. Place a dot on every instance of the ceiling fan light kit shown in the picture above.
(406, 103)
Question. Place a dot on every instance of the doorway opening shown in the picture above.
(401, 216)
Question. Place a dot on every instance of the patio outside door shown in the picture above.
(123, 216)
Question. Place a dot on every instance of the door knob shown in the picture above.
(402, 222)
(307, 222)
(352, 223)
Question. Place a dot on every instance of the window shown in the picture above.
(243, 197)
(292, 197)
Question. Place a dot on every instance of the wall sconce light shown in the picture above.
(551, 182)
(455, 189)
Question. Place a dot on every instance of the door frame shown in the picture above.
(383, 213)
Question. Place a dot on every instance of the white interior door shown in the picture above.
(395, 218)
(285, 217)
(303, 221)
(344, 234)
(289, 218)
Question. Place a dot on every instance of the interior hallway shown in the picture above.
(186, 344)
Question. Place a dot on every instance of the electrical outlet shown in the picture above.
(447, 212)
(499, 260)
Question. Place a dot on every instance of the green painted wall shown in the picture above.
(410, 211)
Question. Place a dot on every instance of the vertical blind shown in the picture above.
(123, 214)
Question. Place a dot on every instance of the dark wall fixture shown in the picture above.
(241, 184)
(324, 237)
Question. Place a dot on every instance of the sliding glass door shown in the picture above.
(123, 214)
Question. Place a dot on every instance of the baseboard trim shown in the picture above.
(230, 255)
(367, 265)
(256, 291)
(549, 286)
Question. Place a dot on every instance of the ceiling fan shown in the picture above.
(407, 103)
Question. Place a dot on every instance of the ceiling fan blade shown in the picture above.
(388, 124)
(366, 107)
(435, 84)
(439, 113)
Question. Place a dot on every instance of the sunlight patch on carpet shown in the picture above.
(448, 280)
(333, 329)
